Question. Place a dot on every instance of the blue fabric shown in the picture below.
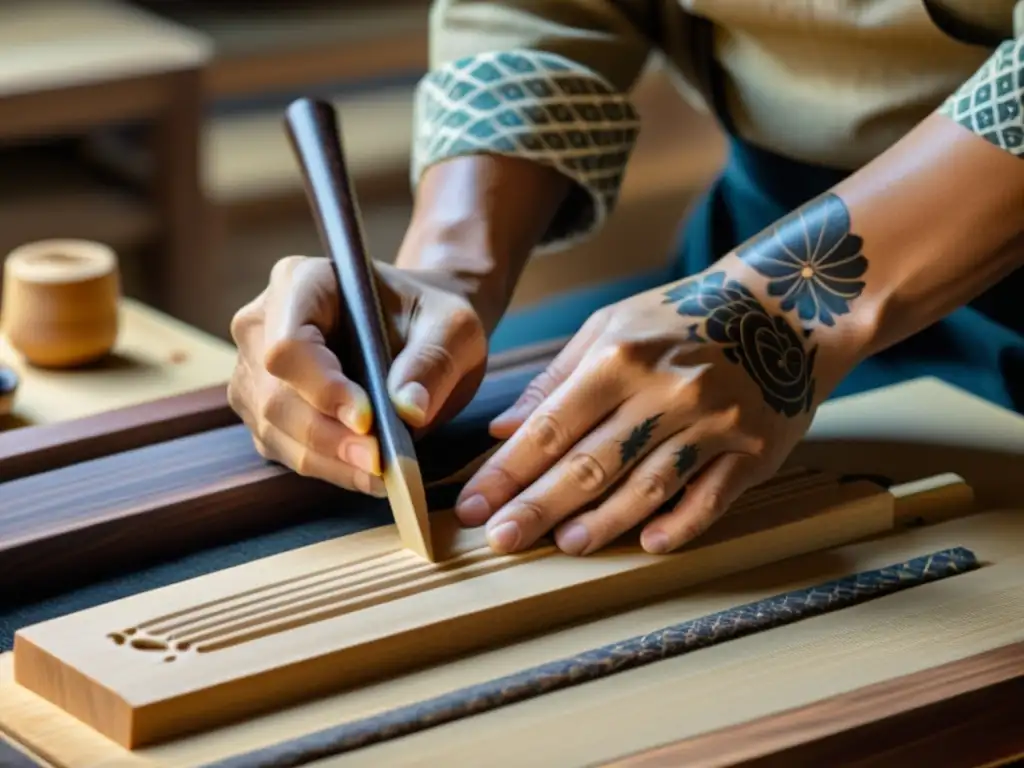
(564, 314)
(979, 348)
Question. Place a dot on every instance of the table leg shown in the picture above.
(182, 284)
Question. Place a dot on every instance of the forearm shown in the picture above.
(522, 132)
(478, 218)
(941, 221)
(925, 228)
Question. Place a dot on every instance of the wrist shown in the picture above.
(460, 260)
(475, 222)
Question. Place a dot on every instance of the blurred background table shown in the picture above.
(156, 356)
(199, 219)
(69, 68)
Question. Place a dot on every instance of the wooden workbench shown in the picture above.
(156, 357)
(878, 664)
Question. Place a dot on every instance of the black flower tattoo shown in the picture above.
(686, 459)
(811, 259)
(641, 435)
(768, 348)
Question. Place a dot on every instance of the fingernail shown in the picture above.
(413, 400)
(573, 539)
(473, 511)
(370, 485)
(505, 417)
(362, 457)
(654, 542)
(356, 417)
(377, 488)
(504, 537)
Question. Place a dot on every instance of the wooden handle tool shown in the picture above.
(312, 127)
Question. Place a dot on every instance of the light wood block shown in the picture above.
(155, 356)
(693, 694)
(354, 610)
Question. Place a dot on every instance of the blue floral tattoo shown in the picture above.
(767, 347)
(812, 260)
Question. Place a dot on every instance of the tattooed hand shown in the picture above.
(704, 387)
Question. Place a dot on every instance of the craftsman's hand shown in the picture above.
(291, 391)
(704, 385)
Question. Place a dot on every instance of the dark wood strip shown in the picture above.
(963, 714)
(30, 450)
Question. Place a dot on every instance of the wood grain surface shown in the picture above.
(735, 683)
(961, 714)
(30, 450)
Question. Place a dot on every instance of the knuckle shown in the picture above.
(599, 319)
(756, 447)
(243, 320)
(313, 434)
(263, 430)
(650, 489)
(587, 471)
(548, 434)
(261, 448)
(691, 530)
(464, 324)
(283, 268)
(531, 514)
(713, 503)
(305, 463)
(273, 405)
(537, 390)
(507, 479)
(438, 358)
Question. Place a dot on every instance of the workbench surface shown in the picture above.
(156, 356)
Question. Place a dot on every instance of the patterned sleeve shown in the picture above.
(547, 82)
(991, 102)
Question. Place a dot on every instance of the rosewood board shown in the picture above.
(349, 611)
(29, 450)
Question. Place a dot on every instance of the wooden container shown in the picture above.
(60, 302)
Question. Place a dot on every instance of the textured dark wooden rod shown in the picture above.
(669, 642)
(30, 450)
(958, 715)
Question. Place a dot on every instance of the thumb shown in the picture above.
(295, 350)
(442, 347)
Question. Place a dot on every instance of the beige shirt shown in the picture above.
(831, 82)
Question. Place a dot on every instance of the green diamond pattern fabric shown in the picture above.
(991, 102)
(537, 106)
